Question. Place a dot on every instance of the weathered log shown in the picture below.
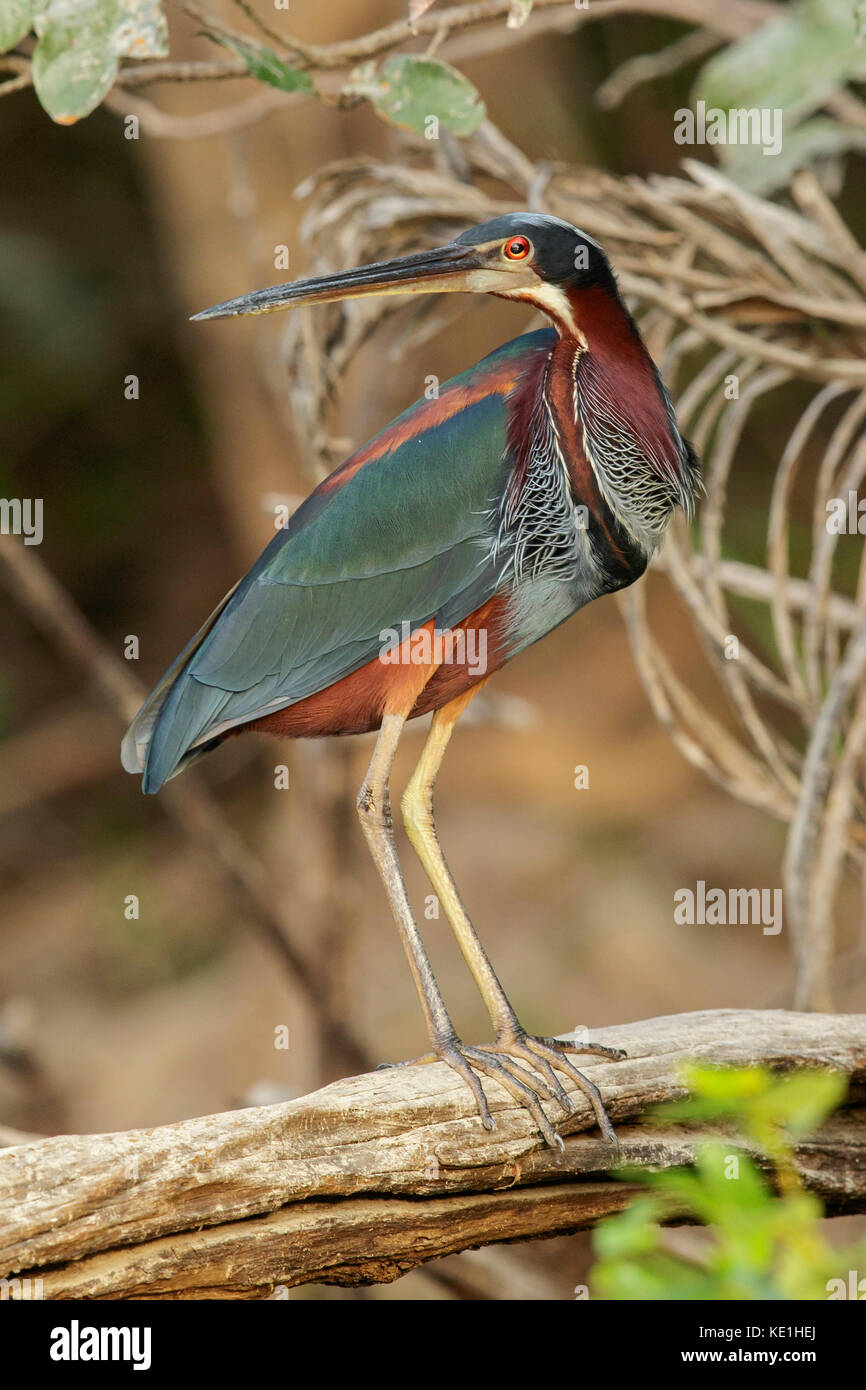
(371, 1176)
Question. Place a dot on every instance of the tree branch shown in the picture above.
(222, 120)
(196, 813)
(736, 19)
(733, 20)
(376, 1174)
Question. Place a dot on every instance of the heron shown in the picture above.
(538, 480)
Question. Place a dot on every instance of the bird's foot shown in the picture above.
(547, 1056)
(526, 1067)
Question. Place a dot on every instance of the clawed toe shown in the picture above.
(526, 1068)
(614, 1054)
(553, 1053)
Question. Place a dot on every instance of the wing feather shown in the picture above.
(405, 537)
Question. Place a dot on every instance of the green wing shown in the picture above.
(400, 533)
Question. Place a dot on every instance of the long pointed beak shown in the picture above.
(452, 267)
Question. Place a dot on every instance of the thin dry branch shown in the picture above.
(188, 801)
(371, 1176)
(225, 120)
(741, 299)
(459, 31)
(734, 20)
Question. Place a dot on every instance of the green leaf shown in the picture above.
(694, 1108)
(730, 1180)
(725, 1083)
(142, 31)
(631, 1232)
(762, 1246)
(715, 1093)
(519, 13)
(820, 138)
(80, 43)
(75, 62)
(663, 1277)
(792, 63)
(408, 91)
(264, 65)
(801, 1100)
(15, 20)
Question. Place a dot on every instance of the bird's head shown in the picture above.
(526, 256)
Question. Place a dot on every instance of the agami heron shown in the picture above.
(538, 480)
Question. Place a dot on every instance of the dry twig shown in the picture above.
(187, 801)
(747, 298)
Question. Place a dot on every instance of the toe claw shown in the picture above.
(526, 1067)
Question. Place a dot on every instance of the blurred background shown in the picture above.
(155, 506)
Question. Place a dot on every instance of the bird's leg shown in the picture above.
(545, 1055)
(374, 810)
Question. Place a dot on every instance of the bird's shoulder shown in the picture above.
(441, 458)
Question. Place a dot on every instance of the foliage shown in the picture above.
(807, 144)
(79, 45)
(792, 64)
(764, 1246)
(265, 66)
(16, 18)
(408, 90)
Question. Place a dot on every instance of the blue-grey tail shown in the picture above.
(159, 741)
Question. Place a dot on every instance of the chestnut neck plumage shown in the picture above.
(614, 425)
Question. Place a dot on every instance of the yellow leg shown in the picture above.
(544, 1054)
(374, 810)
(418, 818)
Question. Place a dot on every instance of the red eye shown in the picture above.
(517, 249)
